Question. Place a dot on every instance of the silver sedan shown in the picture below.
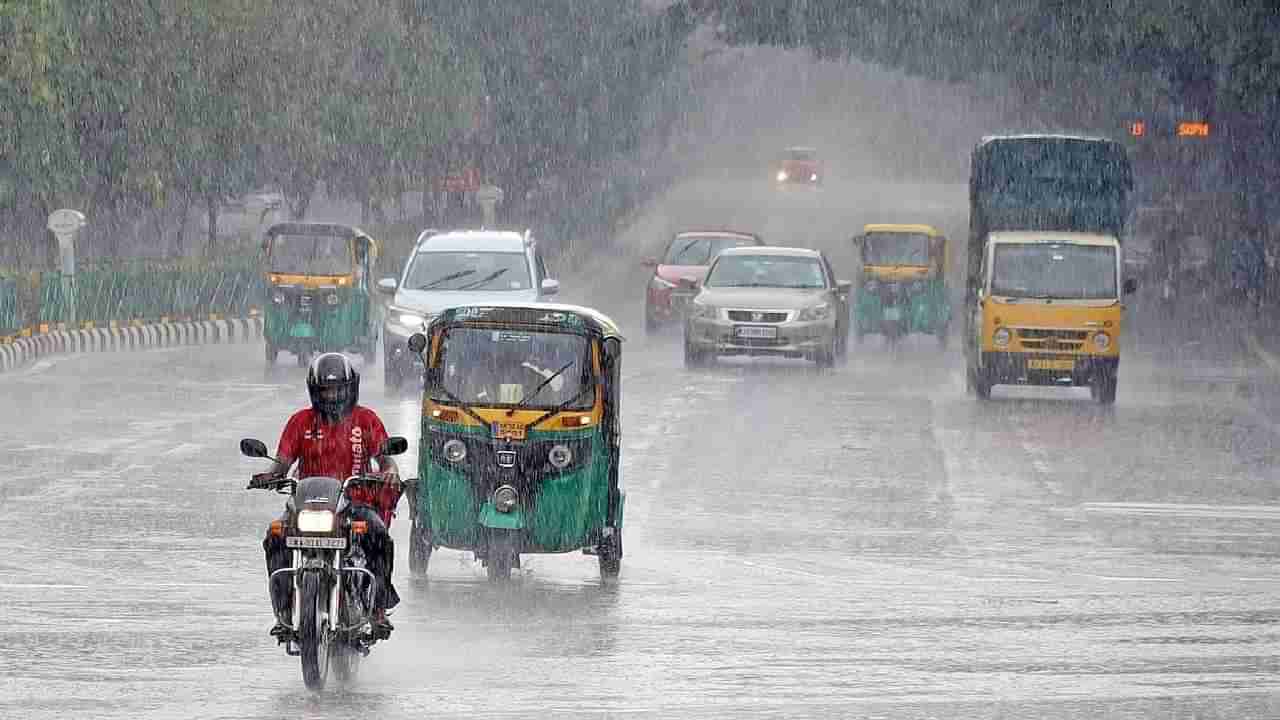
(769, 301)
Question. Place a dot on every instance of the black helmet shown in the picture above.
(334, 386)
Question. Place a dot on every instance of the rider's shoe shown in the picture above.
(281, 632)
(382, 627)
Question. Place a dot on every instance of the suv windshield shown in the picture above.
(506, 367)
(766, 271)
(701, 249)
(450, 270)
(1058, 271)
(310, 255)
(882, 248)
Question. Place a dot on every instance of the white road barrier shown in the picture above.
(203, 332)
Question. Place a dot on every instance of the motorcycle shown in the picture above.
(333, 590)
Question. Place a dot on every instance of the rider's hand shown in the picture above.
(392, 479)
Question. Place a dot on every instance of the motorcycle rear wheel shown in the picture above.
(314, 639)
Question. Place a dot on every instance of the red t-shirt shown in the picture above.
(338, 451)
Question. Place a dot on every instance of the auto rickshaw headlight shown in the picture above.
(505, 499)
(871, 286)
(1001, 337)
(277, 298)
(331, 298)
(315, 521)
(1102, 341)
(455, 451)
(917, 286)
(560, 456)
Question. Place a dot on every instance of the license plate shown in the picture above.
(892, 314)
(326, 543)
(508, 431)
(756, 332)
(1049, 364)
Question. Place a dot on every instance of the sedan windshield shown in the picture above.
(514, 367)
(310, 255)
(895, 249)
(766, 271)
(702, 249)
(1058, 271)
(488, 271)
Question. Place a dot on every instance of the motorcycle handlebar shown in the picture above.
(263, 481)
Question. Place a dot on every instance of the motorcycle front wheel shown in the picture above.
(314, 638)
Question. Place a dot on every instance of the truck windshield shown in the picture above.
(310, 255)
(1057, 271)
(881, 248)
(493, 367)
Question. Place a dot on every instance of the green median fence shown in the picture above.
(153, 291)
(10, 323)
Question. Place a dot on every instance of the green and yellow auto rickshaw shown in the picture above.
(520, 436)
(318, 291)
(903, 288)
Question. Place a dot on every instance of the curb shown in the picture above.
(137, 337)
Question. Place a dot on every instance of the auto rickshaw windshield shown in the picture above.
(311, 255)
(895, 249)
(534, 369)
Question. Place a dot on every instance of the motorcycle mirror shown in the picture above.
(395, 445)
(417, 343)
(253, 448)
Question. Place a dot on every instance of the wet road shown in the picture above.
(862, 542)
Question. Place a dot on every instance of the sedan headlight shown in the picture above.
(814, 177)
(560, 456)
(455, 451)
(1102, 341)
(782, 176)
(315, 521)
(817, 312)
(1001, 337)
(703, 310)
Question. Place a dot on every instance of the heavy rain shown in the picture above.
(925, 354)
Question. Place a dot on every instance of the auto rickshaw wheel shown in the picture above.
(981, 384)
(501, 557)
(272, 352)
(419, 550)
(1103, 389)
(304, 357)
(609, 555)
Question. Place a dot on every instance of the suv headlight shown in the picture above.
(703, 310)
(817, 312)
(408, 318)
(1001, 337)
(315, 521)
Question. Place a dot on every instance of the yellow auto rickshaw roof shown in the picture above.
(901, 228)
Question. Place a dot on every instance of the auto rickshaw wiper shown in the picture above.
(561, 407)
(491, 276)
(465, 407)
(546, 381)
(446, 278)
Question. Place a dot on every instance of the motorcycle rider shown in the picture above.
(335, 438)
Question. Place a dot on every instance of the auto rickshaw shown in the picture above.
(903, 288)
(520, 436)
(318, 291)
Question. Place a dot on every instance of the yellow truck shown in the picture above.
(1045, 287)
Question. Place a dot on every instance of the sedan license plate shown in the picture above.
(892, 314)
(326, 543)
(1051, 364)
(764, 333)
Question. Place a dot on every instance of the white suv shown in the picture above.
(447, 269)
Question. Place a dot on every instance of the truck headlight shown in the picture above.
(315, 521)
(817, 312)
(1001, 337)
(1102, 341)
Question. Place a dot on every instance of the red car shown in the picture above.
(799, 165)
(683, 265)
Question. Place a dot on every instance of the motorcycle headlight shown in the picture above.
(703, 310)
(1102, 341)
(315, 521)
(277, 298)
(1001, 337)
(560, 456)
(505, 499)
(455, 451)
(782, 175)
(817, 312)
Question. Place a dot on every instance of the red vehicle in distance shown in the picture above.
(799, 166)
(681, 268)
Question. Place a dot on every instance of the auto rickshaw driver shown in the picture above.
(515, 370)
